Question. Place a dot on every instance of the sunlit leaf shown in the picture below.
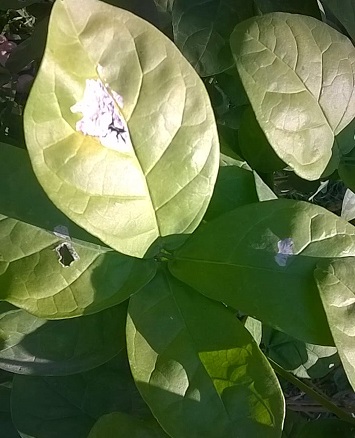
(197, 367)
(298, 73)
(151, 171)
(335, 279)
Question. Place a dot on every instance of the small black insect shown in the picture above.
(118, 131)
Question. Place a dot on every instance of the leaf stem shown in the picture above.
(324, 401)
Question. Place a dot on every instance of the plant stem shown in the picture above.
(324, 401)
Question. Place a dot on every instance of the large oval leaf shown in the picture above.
(260, 259)
(52, 277)
(130, 195)
(335, 279)
(30, 345)
(197, 367)
(299, 75)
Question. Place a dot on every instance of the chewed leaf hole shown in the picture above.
(66, 254)
(285, 250)
(102, 118)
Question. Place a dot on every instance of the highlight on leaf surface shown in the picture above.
(119, 127)
(299, 75)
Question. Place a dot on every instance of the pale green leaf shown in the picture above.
(298, 73)
(130, 195)
(197, 367)
(335, 279)
(260, 259)
(34, 277)
(348, 206)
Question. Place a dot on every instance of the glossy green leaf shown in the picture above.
(327, 427)
(68, 406)
(298, 73)
(202, 30)
(254, 146)
(335, 279)
(305, 7)
(344, 11)
(30, 345)
(244, 259)
(7, 429)
(306, 361)
(39, 275)
(120, 425)
(197, 367)
(130, 195)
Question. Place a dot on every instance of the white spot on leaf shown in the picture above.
(101, 116)
(62, 232)
(285, 250)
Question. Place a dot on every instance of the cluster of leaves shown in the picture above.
(155, 291)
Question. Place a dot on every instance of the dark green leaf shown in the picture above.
(347, 169)
(344, 11)
(120, 425)
(7, 429)
(293, 424)
(306, 361)
(298, 73)
(235, 186)
(17, 4)
(57, 407)
(29, 50)
(325, 428)
(202, 30)
(255, 148)
(244, 259)
(304, 7)
(197, 367)
(29, 345)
